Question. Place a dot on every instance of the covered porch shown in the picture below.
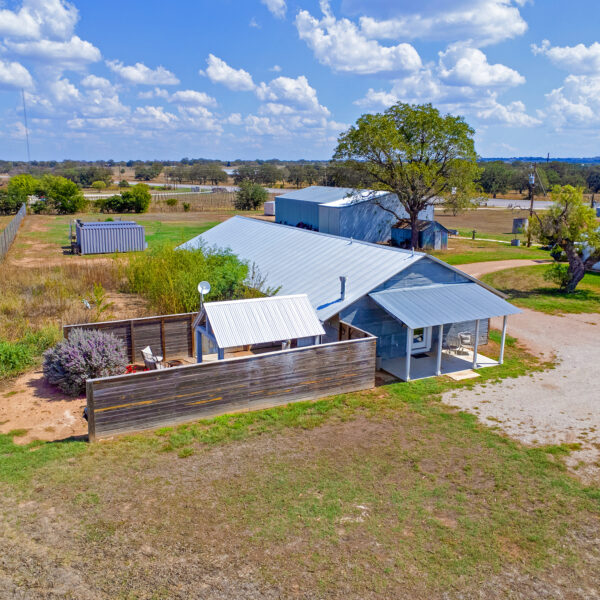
(433, 317)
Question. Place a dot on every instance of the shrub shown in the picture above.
(186, 207)
(123, 183)
(99, 185)
(16, 357)
(250, 196)
(171, 202)
(558, 273)
(85, 355)
(137, 200)
(168, 278)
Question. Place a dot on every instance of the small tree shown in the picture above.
(19, 187)
(571, 226)
(99, 185)
(496, 178)
(62, 194)
(250, 196)
(414, 152)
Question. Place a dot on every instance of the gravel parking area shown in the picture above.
(559, 406)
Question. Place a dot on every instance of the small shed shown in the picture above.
(104, 237)
(432, 234)
(277, 322)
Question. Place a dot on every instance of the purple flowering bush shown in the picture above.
(85, 355)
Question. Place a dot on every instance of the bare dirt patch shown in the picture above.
(30, 404)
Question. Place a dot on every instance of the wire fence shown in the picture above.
(194, 202)
(7, 236)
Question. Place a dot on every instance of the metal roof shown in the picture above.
(443, 303)
(332, 196)
(298, 261)
(107, 224)
(262, 320)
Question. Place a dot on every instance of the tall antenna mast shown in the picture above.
(26, 126)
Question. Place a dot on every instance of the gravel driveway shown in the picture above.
(558, 406)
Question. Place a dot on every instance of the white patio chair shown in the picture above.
(452, 343)
(152, 361)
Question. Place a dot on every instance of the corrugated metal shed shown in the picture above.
(427, 306)
(110, 236)
(298, 261)
(262, 320)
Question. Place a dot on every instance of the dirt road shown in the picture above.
(560, 406)
(483, 268)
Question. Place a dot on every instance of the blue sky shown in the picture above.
(282, 78)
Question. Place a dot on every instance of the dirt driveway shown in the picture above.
(559, 406)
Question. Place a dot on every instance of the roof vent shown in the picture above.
(343, 286)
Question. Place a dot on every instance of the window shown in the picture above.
(421, 339)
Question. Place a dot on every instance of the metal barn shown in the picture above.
(108, 237)
(432, 235)
(346, 212)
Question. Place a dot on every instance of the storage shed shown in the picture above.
(346, 212)
(107, 237)
(432, 235)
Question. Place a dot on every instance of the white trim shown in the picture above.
(425, 345)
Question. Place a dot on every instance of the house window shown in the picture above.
(421, 339)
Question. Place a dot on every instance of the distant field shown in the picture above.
(488, 222)
(462, 252)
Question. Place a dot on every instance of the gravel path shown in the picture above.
(483, 268)
(558, 406)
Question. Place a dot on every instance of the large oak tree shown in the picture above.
(414, 152)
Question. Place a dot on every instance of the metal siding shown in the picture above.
(424, 273)
(299, 261)
(104, 238)
(439, 304)
(261, 320)
(290, 211)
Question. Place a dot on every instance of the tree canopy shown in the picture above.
(570, 225)
(413, 151)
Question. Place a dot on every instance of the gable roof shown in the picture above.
(421, 225)
(332, 196)
(300, 261)
(262, 320)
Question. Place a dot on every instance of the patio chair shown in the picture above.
(152, 361)
(452, 343)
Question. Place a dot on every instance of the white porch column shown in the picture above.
(438, 367)
(476, 345)
(409, 340)
(501, 359)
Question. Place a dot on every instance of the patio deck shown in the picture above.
(421, 368)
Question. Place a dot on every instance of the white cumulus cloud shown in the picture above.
(218, 71)
(341, 45)
(276, 7)
(192, 98)
(37, 19)
(71, 53)
(579, 59)
(140, 74)
(14, 75)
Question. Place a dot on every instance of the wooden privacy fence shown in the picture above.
(167, 335)
(146, 400)
(7, 236)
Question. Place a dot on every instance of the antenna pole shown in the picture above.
(531, 197)
(26, 126)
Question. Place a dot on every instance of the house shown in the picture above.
(257, 324)
(346, 212)
(416, 305)
(432, 235)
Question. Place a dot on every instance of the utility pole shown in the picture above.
(531, 187)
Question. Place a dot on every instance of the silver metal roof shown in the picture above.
(262, 320)
(332, 196)
(443, 303)
(298, 261)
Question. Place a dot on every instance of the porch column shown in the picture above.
(220, 353)
(438, 367)
(476, 345)
(409, 340)
(198, 345)
(503, 340)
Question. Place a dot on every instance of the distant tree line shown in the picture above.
(499, 177)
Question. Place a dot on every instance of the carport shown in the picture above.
(428, 309)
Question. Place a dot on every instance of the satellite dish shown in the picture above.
(204, 287)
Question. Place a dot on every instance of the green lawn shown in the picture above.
(379, 494)
(527, 287)
(461, 252)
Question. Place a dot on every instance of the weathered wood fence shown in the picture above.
(7, 236)
(128, 403)
(167, 335)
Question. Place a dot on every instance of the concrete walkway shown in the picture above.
(558, 406)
